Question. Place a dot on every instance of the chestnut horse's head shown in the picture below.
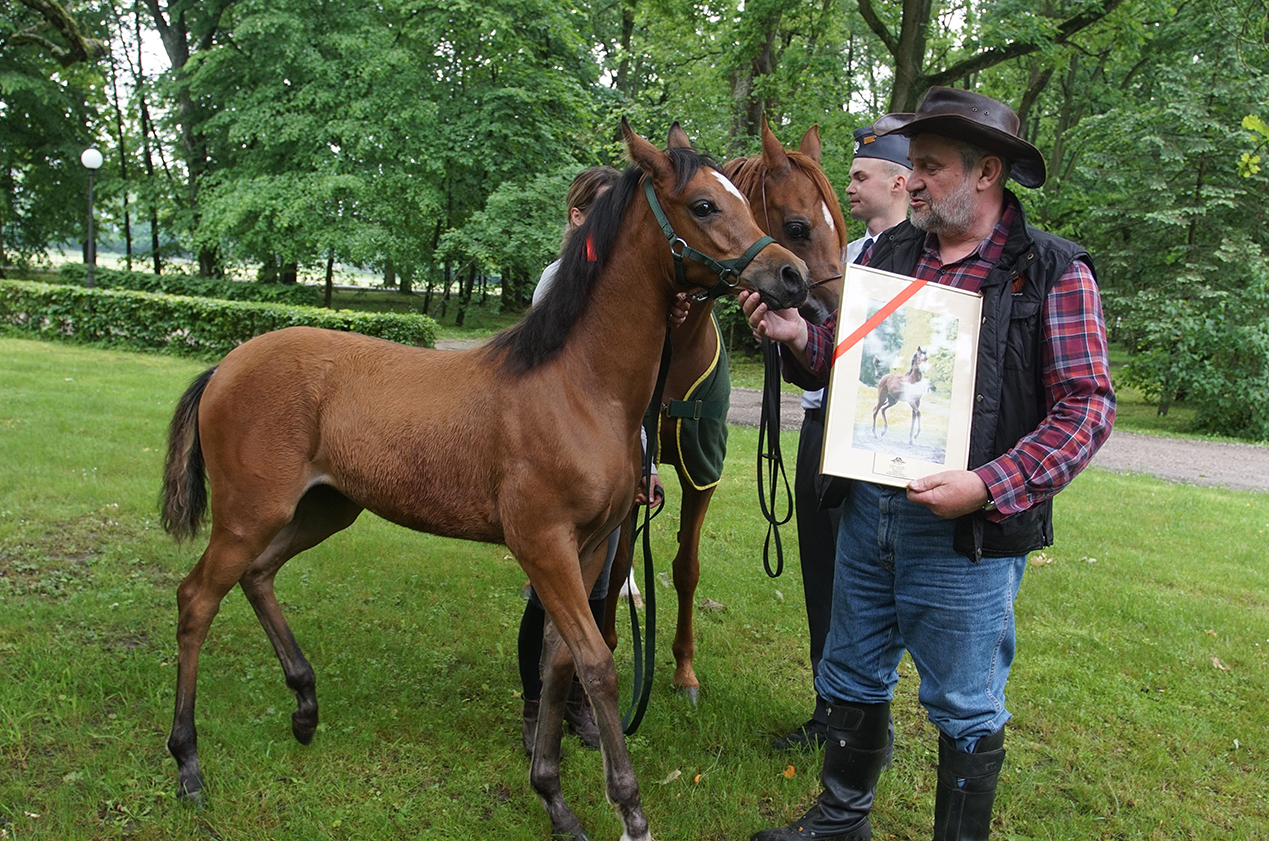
(794, 202)
(709, 226)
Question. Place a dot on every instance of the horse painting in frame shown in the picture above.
(902, 388)
(531, 441)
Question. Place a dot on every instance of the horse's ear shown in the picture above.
(644, 155)
(678, 138)
(811, 143)
(773, 154)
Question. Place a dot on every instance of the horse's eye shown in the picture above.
(797, 230)
(704, 208)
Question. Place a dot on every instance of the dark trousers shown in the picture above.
(817, 538)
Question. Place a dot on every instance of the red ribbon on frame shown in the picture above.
(879, 316)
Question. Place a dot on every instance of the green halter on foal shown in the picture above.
(728, 271)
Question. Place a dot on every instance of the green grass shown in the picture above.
(1124, 726)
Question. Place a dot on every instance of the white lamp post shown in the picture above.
(90, 158)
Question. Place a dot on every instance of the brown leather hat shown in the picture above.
(977, 119)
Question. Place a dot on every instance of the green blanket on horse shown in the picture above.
(698, 424)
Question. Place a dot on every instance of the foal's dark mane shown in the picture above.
(546, 328)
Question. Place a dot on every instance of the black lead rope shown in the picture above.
(769, 457)
(644, 665)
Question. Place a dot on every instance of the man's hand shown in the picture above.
(784, 326)
(949, 494)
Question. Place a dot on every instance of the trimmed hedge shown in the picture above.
(186, 326)
(197, 287)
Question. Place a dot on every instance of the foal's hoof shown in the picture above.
(303, 728)
(691, 693)
(193, 797)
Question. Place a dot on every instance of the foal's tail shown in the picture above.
(184, 498)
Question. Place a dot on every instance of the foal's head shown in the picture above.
(708, 214)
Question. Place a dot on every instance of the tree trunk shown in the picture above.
(464, 295)
(622, 80)
(123, 165)
(176, 38)
(447, 278)
(330, 278)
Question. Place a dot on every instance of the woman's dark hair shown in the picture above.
(586, 187)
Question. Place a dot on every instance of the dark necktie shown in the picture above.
(859, 258)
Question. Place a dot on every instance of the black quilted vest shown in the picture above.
(1009, 399)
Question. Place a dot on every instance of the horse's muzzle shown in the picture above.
(787, 290)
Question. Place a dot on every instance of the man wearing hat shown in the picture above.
(878, 198)
(934, 568)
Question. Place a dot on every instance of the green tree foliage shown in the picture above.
(1148, 180)
(434, 143)
(47, 90)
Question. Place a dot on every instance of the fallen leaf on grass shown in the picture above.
(1210, 633)
(1216, 661)
(790, 772)
(674, 775)
(1040, 559)
(710, 604)
(697, 778)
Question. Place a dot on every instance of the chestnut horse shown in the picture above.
(531, 441)
(792, 201)
(908, 388)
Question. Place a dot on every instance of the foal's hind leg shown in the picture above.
(222, 564)
(322, 512)
(687, 572)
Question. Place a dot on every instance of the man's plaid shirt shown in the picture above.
(1074, 370)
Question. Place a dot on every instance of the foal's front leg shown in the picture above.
(583, 647)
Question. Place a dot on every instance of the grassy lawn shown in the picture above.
(1138, 694)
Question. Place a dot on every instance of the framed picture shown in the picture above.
(900, 395)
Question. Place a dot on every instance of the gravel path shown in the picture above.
(1240, 467)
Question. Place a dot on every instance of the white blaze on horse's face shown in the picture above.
(730, 187)
(828, 218)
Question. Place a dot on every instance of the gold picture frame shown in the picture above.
(901, 390)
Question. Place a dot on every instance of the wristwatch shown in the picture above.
(989, 505)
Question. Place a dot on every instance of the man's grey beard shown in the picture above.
(953, 215)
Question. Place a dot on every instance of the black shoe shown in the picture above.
(814, 825)
(813, 734)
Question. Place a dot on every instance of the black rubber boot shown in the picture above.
(529, 726)
(967, 788)
(580, 718)
(858, 748)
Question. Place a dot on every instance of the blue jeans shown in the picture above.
(900, 585)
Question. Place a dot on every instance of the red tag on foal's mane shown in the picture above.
(591, 256)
